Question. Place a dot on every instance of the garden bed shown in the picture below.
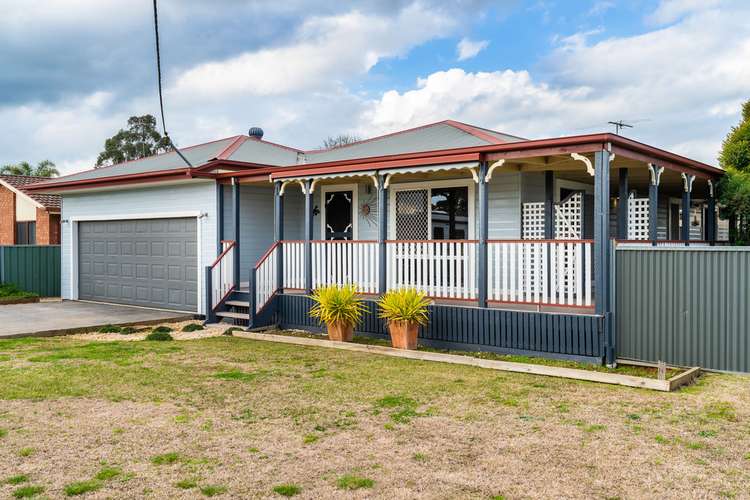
(11, 294)
(623, 374)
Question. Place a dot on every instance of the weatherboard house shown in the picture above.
(513, 238)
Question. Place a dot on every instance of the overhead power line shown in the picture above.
(161, 98)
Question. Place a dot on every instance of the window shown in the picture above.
(450, 213)
(26, 233)
(439, 210)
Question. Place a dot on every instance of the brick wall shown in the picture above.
(7, 216)
(47, 228)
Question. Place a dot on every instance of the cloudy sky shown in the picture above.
(73, 71)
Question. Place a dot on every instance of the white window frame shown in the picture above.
(163, 215)
(572, 185)
(411, 186)
(328, 188)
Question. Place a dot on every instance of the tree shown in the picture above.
(44, 168)
(734, 188)
(139, 140)
(340, 140)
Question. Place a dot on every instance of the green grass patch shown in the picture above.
(82, 487)
(3, 433)
(26, 452)
(107, 473)
(110, 329)
(186, 484)
(287, 490)
(28, 491)
(236, 375)
(20, 478)
(119, 352)
(310, 438)
(166, 458)
(404, 408)
(192, 327)
(351, 482)
(721, 411)
(211, 490)
(159, 336)
(419, 457)
(661, 439)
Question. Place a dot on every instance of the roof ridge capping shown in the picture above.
(465, 127)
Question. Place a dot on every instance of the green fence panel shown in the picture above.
(685, 306)
(34, 268)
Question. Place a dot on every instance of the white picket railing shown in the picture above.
(266, 278)
(222, 274)
(548, 272)
(294, 264)
(342, 262)
(439, 268)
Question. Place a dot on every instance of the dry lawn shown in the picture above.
(232, 417)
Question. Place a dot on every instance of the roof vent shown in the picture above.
(255, 133)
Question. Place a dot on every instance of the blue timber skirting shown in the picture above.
(575, 337)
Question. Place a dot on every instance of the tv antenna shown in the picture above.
(619, 125)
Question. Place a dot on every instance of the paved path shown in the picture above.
(58, 318)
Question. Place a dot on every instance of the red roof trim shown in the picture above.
(378, 165)
(239, 141)
(113, 180)
(475, 132)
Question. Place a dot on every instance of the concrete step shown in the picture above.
(238, 303)
(233, 315)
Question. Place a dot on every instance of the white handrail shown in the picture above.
(439, 268)
(266, 278)
(222, 274)
(343, 262)
(541, 272)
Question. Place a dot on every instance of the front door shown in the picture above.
(338, 218)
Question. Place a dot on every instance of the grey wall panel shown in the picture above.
(504, 205)
(684, 306)
(256, 223)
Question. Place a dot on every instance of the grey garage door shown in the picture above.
(151, 262)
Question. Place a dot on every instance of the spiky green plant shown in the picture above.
(336, 303)
(406, 304)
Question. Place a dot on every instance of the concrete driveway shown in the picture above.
(59, 318)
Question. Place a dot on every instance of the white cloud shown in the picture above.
(670, 11)
(325, 50)
(685, 81)
(466, 49)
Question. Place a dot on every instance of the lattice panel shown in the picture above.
(568, 218)
(638, 209)
(533, 221)
(412, 216)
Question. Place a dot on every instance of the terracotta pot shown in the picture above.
(403, 334)
(340, 332)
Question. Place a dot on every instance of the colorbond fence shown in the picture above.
(34, 268)
(685, 306)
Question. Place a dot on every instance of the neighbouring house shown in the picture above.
(512, 237)
(27, 218)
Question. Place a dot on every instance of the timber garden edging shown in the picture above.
(532, 369)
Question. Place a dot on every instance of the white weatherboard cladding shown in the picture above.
(198, 197)
(25, 209)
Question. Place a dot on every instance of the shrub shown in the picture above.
(110, 329)
(158, 336)
(192, 327)
(162, 329)
(406, 304)
(337, 304)
(128, 330)
(228, 331)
